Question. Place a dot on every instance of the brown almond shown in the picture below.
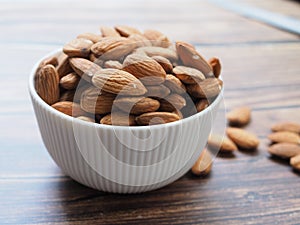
(284, 136)
(118, 119)
(174, 84)
(188, 75)
(140, 40)
(157, 38)
(69, 108)
(240, 116)
(78, 47)
(178, 113)
(96, 101)
(84, 68)
(201, 104)
(168, 53)
(47, 84)
(158, 91)
(153, 118)
(216, 66)
(222, 143)
(118, 82)
(295, 162)
(284, 150)
(85, 118)
(190, 57)
(171, 103)
(126, 31)
(242, 138)
(63, 68)
(136, 105)
(67, 96)
(90, 36)
(70, 81)
(287, 126)
(113, 64)
(109, 32)
(144, 68)
(207, 88)
(50, 60)
(164, 62)
(203, 165)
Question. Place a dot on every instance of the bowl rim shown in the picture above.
(37, 98)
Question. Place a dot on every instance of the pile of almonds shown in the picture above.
(125, 77)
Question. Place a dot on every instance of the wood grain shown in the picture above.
(261, 68)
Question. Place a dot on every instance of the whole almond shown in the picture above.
(207, 88)
(174, 84)
(70, 81)
(118, 82)
(242, 138)
(47, 84)
(295, 162)
(85, 118)
(78, 47)
(113, 64)
(240, 116)
(126, 31)
(168, 53)
(136, 105)
(216, 66)
(63, 68)
(158, 91)
(144, 68)
(109, 32)
(157, 38)
(287, 126)
(90, 36)
(69, 108)
(50, 60)
(188, 75)
(153, 118)
(284, 150)
(190, 57)
(118, 119)
(203, 165)
(140, 40)
(201, 104)
(171, 103)
(284, 136)
(224, 144)
(164, 62)
(96, 101)
(84, 68)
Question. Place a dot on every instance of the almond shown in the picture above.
(284, 150)
(69, 108)
(78, 47)
(157, 38)
(113, 64)
(190, 57)
(164, 62)
(67, 96)
(240, 116)
(118, 119)
(136, 105)
(201, 104)
(158, 91)
(287, 126)
(215, 64)
(208, 88)
(140, 40)
(118, 82)
(85, 118)
(170, 54)
(174, 84)
(171, 103)
(84, 68)
(203, 165)
(242, 138)
(224, 144)
(126, 31)
(63, 68)
(295, 162)
(145, 68)
(50, 60)
(153, 118)
(94, 100)
(284, 136)
(109, 32)
(47, 84)
(188, 75)
(70, 81)
(90, 36)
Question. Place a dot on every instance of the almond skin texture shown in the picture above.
(84, 68)
(78, 47)
(174, 84)
(144, 68)
(188, 75)
(90, 36)
(208, 88)
(168, 53)
(287, 126)
(216, 66)
(109, 32)
(140, 40)
(69, 108)
(284, 136)
(157, 38)
(190, 57)
(137, 105)
(201, 105)
(63, 68)
(224, 144)
(70, 81)
(126, 31)
(240, 116)
(47, 84)
(172, 102)
(284, 150)
(164, 62)
(158, 91)
(118, 82)
(118, 119)
(242, 138)
(153, 118)
(295, 162)
(203, 165)
(113, 64)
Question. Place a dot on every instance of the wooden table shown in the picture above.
(261, 69)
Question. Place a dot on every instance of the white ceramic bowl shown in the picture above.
(122, 159)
